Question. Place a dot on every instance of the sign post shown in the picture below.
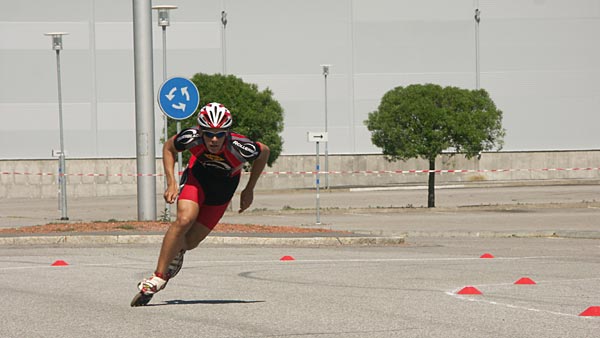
(178, 98)
(62, 166)
(317, 137)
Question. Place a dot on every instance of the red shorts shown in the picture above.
(208, 215)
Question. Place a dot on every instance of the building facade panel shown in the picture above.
(538, 61)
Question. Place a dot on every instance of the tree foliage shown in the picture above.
(425, 120)
(256, 114)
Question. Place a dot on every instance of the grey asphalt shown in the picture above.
(546, 233)
(409, 290)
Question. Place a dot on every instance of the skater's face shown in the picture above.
(214, 139)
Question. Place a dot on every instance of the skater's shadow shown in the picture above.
(208, 302)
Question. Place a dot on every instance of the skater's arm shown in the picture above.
(169, 156)
(247, 195)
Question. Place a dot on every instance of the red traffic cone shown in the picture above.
(60, 262)
(287, 258)
(525, 280)
(469, 290)
(592, 311)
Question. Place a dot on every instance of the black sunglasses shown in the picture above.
(211, 134)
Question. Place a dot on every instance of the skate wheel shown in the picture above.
(141, 299)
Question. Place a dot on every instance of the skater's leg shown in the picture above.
(175, 238)
(195, 235)
(208, 217)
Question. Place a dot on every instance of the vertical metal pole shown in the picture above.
(163, 22)
(326, 143)
(318, 184)
(164, 45)
(477, 70)
(325, 73)
(62, 168)
(144, 110)
(167, 212)
(224, 54)
(179, 155)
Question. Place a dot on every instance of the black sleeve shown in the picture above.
(247, 149)
(187, 139)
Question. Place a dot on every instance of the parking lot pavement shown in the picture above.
(570, 211)
(409, 290)
(547, 234)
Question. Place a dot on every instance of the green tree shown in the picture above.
(425, 120)
(255, 113)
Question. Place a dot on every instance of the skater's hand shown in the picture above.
(246, 199)
(170, 194)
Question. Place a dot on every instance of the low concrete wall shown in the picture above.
(111, 177)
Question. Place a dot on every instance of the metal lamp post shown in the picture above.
(163, 22)
(224, 41)
(325, 74)
(62, 179)
(477, 70)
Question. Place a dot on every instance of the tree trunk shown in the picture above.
(431, 188)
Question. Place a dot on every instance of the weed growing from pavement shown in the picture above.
(165, 216)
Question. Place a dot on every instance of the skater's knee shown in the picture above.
(187, 212)
(182, 225)
(186, 219)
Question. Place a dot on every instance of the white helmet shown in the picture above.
(214, 116)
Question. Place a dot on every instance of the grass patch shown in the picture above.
(476, 178)
(127, 227)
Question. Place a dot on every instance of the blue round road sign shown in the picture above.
(178, 98)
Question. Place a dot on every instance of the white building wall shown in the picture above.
(539, 61)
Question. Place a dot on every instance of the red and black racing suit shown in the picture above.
(211, 179)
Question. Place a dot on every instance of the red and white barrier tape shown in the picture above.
(355, 172)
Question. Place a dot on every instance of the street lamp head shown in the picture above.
(56, 39)
(325, 69)
(477, 15)
(163, 14)
(224, 18)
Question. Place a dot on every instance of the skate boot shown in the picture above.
(176, 264)
(148, 287)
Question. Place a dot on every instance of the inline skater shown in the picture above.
(206, 188)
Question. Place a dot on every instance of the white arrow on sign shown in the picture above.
(180, 106)
(185, 93)
(171, 95)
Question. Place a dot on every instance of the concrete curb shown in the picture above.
(291, 241)
(505, 234)
(215, 240)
